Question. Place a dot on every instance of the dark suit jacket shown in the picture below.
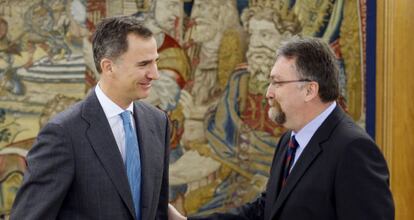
(75, 169)
(341, 174)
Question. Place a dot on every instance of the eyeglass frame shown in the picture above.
(278, 83)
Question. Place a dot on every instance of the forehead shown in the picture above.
(142, 47)
(261, 24)
(284, 68)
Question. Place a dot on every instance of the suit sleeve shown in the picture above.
(50, 170)
(252, 210)
(249, 211)
(162, 210)
(362, 183)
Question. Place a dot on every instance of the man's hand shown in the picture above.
(173, 214)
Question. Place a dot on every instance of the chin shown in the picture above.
(142, 95)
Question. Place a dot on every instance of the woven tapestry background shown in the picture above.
(215, 57)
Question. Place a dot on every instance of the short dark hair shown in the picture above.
(314, 60)
(110, 37)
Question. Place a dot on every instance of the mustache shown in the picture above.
(260, 60)
(274, 103)
(261, 50)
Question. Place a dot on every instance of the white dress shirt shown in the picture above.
(306, 133)
(112, 113)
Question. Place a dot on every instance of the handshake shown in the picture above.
(173, 214)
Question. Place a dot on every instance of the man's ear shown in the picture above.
(312, 90)
(106, 66)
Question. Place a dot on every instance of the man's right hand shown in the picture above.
(173, 214)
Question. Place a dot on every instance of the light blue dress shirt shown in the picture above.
(304, 135)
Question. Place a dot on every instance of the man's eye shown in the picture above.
(142, 64)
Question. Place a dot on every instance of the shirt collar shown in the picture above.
(110, 108)
(305, 134)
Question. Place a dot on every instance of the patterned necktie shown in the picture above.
(132, 162)
(290, 157)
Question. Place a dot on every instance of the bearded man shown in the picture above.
(325, 167)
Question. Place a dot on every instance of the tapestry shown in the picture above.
(215, 59)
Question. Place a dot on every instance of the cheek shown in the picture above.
(278, 95)
(283, 100)
(138, 74)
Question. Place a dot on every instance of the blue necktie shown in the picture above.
(132, 162)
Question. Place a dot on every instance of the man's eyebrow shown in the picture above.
(143, 62)
(147, 61)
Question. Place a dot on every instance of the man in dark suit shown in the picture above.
(105, 157)
(325, 167)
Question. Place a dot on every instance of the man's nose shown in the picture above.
(256, 40)
(153, 72)
(269, 92)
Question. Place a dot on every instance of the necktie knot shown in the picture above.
(126, 118)
(293, 144)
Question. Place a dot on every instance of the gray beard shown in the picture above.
(276, 114)
(259, 67)
(260, 60)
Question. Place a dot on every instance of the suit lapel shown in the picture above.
(274, 180)
(311, 152)
(151, 156)
(103, 142)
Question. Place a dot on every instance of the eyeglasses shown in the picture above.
(278, 83)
